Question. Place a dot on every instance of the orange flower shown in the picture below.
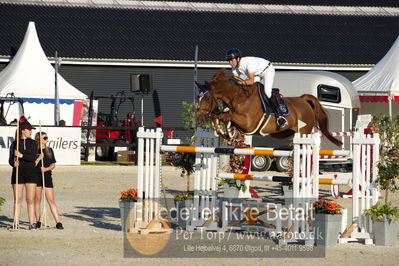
(323, 206)
(129, 195)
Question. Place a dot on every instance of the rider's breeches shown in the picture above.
(267, 80)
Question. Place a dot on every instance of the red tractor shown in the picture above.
(118, 134)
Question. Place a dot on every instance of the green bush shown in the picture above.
(185, 160)
(185, 196)
(2, 200)
(388, 166)
(240, 185)
(379, 211)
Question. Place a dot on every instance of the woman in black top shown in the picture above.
(27, 173)
(48, 165)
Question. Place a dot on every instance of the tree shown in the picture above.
(388, 165)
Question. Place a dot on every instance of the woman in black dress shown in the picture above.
(48, 165)
(27, 173)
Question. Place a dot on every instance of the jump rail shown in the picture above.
(306, 154)
(246, 151)
(324, 181)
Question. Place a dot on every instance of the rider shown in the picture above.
(256, 69)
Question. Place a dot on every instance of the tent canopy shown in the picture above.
(382, 81)
(31, 77)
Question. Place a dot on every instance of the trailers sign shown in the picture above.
(65, 141)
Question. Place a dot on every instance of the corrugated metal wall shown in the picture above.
(171, 86)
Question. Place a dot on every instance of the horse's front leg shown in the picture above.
(226, 119)
(216, 125)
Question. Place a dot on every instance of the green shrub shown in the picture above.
(388, 166)
(379, 211)
(2, 200)
(240, 185)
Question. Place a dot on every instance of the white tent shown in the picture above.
(30, 76)
(381, 83)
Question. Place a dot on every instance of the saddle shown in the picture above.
(265, 102)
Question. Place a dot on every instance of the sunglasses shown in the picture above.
(45, 138)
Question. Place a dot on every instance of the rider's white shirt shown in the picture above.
(251, 64)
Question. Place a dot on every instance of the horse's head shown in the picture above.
(206, 102)
(221, 87)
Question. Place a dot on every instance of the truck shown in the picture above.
(338, 97)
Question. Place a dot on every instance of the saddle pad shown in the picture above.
(282, 104)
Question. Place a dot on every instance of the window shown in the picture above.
(328, 93)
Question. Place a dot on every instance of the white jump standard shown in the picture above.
(306, 155)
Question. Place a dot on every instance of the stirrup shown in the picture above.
(281, 121)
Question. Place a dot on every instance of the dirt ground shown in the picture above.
(87, 198)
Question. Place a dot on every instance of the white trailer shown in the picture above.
(337, 95)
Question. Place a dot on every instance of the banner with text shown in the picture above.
(65, 141)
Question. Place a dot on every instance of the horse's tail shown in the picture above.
(321, 117)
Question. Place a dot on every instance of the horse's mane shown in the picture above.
(222, 76)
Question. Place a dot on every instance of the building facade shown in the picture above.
(102, 43)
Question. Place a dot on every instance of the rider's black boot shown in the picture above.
(281, 121)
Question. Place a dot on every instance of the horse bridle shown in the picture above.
(211, 111)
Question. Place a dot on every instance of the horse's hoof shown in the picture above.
(226, 137)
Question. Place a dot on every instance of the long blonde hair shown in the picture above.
(46, 149)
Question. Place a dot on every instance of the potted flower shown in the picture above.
(385, 216)
(126, 204)
(184, 204)
(385, 223)
(185, 162)
(327, 221)
(232, 187)
(184, 201)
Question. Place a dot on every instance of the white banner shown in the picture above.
(65, 141)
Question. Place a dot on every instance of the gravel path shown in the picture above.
(87, 197)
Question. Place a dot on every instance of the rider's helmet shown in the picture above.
(233, 53)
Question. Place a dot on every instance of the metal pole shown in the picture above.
(195, 74)
(15, 224)
(142, 109)
(89, 124)
(57, 98)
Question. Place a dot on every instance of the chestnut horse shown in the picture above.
(246, 113)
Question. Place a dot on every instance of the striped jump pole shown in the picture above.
(243, 177)
(246, 151)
